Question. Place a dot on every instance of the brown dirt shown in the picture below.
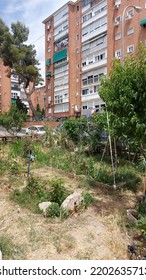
(97, 233)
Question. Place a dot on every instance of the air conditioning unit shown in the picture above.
(116, 6)
(128, 17)
(117, 23)
(77, 108)
(48, 26)
(49, 37)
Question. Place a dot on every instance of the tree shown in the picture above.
(124, 93)
(13, 119)
(20, 57)
(21, 106)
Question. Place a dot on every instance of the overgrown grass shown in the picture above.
(10, 251)
(127, 175)
(31, 195)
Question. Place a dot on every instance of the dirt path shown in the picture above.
(92, 234)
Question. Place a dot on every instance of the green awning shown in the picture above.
(60, 56)
(143, 22)
(48, 74)
(48, 62)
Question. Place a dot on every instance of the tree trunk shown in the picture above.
(28, 95)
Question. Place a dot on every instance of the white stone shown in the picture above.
(44, 205)
(72, 200)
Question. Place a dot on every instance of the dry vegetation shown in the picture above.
(99, 232)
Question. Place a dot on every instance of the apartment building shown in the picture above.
(10, 90)
(81, 40)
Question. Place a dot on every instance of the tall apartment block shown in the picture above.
(81, 40)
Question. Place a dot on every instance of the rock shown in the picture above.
(72, 201)
(44, 205)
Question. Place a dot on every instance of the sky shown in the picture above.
(31, 13)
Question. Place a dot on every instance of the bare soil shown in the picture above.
(97, 233)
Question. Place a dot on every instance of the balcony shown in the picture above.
(94, 33)
(96, 64)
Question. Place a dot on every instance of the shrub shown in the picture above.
(35, 188)
(53, 210)
(141, 225)
(141, 210)
(57, 192)
(31, 195)
(88, 199)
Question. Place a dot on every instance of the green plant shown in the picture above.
(88, 199)
(35, 187)
(141, 209)
(57, 192)
(31, 195)
(10, 251)
(141, 225)
(53, 210)
(15, 168)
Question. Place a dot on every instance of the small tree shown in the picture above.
(13, 119)
(125, 96)
(20, 57)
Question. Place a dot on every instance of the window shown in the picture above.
(96, 89)
(84, 63)
(85, 91)
(84, 81)
(49, 49)
(90, 79)
(118, 53)
(100, 57)
(130, 49)
(85, 3)
(77, 37)
(78, 8)
(87, 17)
(84, 107)
(129, 14)
(130, 30)
(118, 36)
(117, 20)
(96, 78)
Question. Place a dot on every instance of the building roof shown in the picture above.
(67, 3)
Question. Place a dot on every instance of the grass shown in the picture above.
(10, 250)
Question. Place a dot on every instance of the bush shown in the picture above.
(31, 195)
(88, 199)
(141, 225)
(57, 192)
(141, 210)
(53, 210)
